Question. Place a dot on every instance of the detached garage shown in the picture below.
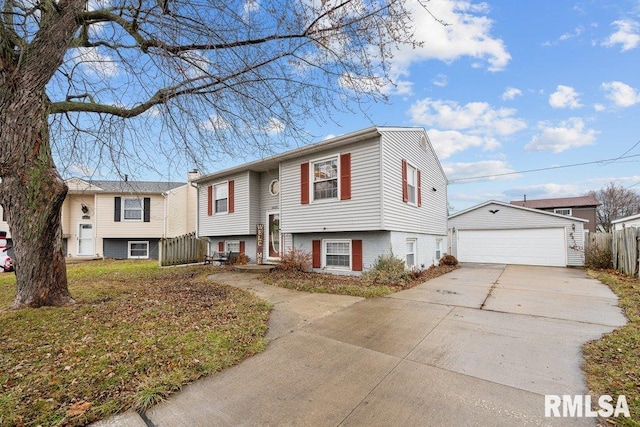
(501, 233)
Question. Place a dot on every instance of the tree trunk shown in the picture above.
(32, 193)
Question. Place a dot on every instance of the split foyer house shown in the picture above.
(122, 219)
(346, 201)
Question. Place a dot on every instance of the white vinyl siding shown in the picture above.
(431, 217)
(336, 215)
(236, 223)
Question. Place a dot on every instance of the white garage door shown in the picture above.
(539, 246)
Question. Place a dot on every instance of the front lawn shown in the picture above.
(137, 334)
(612, 363)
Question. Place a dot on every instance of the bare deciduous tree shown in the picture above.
(81, 79)
(616, 202)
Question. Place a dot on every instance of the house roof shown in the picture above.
(562, 202)
(626, 218)
(102, 186)
(272, 162)
(524, 208)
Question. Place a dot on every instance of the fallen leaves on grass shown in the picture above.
(348, 285)
(132, 339)
(612, 363)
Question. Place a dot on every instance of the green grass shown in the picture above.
(137, 334)
(612, 364)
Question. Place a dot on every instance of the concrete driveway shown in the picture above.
(479, 346)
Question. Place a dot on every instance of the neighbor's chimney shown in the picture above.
(193, 174)
(525, 198)
(126, 177)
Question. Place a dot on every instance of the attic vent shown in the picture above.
(423, 142)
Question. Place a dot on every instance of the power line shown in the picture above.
(474, 178)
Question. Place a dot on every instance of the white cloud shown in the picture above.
(627, 35)
(274, 126)
(93, 62)
(250, 6)
(566, 36)
(468, 33)
(215, 123)
(544, 191)
(441, 80)
(510, 93)
(478, 117)
(565, 97)
(599, 107)
(447, 143)
(483, 170)
(568, 134)
(621, 94)
(193, 64)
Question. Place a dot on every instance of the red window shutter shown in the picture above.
(356, 255)
(345, 176)
(242, 246)
(315, 253)
(405, 188)
(210, 200)
(231, 188)
(220, 246)
(304, 183)
(419, 188)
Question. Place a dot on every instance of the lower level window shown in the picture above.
(232, 245)
(138, 249)
(438, 248)
(337, 254)
(410, 259)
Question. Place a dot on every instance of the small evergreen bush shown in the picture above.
(387, 270)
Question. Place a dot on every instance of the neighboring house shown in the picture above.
(502, 233)
(5, 227)
(125, 219)
(579, 207)
(627, 221)
(345, 201)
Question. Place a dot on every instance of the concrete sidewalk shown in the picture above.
(479, 346)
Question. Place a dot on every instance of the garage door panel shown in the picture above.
(542, 246)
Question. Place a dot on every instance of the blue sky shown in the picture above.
(512, 86)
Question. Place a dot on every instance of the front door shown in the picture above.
(273, 234)
(85, 240)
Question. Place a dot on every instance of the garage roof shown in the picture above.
(537, 211)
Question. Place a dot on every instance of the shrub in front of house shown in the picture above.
(448, 260)
(295, 260)
(387, 270)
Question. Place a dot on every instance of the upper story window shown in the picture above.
(221, 197)
(132, 209)
(563, 211)
(325, 179)
(412, 187)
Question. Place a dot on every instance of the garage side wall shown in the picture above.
(505, 218)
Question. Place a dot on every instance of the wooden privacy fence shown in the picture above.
(625, 251)
(185, 249)
(623, 246)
